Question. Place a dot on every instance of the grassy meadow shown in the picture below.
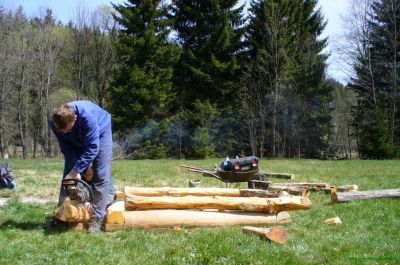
(370, 233)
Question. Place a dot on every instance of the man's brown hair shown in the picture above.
(63, 115)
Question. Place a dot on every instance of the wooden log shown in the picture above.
(347, 188)
(73, 212)
(276, 234)
(341, 188)
(179, 192)
(308, 185)
(279, 175)
(311, 186)
(191, 218)
(299, 191)
(115, 213)
(120, 195)
(364, 195)
(248, 204)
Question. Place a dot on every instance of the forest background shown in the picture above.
(200, 79)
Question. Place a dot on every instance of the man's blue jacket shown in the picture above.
(81, 144)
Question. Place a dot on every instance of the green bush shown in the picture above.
(203, 145)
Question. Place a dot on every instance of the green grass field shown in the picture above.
(370, 233)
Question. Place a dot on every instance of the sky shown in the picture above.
(64, 10)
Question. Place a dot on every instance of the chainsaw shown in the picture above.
(76, 206)
(77, 190)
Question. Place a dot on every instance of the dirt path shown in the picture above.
(33, 200)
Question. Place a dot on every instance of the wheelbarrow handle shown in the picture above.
(190, 167)
(206, 173)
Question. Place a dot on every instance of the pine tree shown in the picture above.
(142, 86)
(377, 83)
(285, 52)
(209, 33)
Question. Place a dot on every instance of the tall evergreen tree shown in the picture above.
(209, 33)
(142, 86)
(285, 52)
(377, 112)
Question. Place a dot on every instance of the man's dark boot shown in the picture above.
(95, 225)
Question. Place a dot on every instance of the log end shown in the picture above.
(120, 195)
(115, 213)
(306, 202)
(283, 218)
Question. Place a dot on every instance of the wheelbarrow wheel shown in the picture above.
(258, 181)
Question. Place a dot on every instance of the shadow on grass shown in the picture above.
(21, 225)
(31, 226)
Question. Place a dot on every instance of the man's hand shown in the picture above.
(73, 174)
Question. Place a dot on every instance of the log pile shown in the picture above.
(193, 207)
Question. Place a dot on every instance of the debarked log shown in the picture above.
(179, 192)
(192, 218)
(248, 204)
(363, 195)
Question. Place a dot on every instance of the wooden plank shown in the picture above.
(192, 218)
(364, 195)
(249, 204)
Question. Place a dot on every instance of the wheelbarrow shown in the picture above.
(237, 170)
